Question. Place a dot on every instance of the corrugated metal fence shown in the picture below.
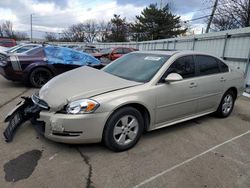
(232, 45)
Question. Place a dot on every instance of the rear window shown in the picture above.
(223, 66)
(126, 50)
(118, 51)
(207, 65)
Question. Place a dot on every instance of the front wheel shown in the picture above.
(123, 129)
(226, 104)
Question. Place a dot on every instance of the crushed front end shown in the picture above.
(25, 110)
(55, 125)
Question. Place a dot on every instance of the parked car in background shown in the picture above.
(7, 42)
(87, 49)
(140, 91)
(38, 65)
(110, 54)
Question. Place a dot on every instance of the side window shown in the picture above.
(118, 51)
(207, 65)
(223, 66)
(184, 66)
(23, 49)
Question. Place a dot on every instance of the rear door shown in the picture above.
(211, 82)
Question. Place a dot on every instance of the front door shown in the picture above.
(179, 99)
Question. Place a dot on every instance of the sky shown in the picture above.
(57, 15)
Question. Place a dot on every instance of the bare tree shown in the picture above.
(21, 36)
(104, 31)
(49, 36)
(91, 30)
(231, 14)
(87, 31)
(75, 33)
(7, 28)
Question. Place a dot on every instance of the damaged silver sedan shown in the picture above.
(141, 91)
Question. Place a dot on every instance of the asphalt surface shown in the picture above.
(205, 152)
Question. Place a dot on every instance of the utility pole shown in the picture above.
(212, 16)
(31, 38)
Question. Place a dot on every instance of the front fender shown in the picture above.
(145, 98)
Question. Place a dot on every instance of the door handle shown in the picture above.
(222, 79)
(192, 85)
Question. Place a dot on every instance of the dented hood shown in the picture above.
(80, 83)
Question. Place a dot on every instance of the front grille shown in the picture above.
(36, 100)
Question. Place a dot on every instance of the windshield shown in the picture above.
(106, 51)
(137, 67)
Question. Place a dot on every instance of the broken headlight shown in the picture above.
(82, 106)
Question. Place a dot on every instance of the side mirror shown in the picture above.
(172, 77)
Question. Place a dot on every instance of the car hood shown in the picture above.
(80, 83)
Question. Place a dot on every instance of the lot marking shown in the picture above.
(13, 98)
(189, 160)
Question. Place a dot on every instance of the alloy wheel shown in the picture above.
(41, 77)
(227, 104)
(126, 130)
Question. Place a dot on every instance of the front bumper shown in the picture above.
(65, 128)
(75, 129)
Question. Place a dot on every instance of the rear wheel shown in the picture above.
(123, 129)
(40, 76)
(226, 104)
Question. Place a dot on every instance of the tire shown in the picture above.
(39, 76)
(226, 105)
(123, 129)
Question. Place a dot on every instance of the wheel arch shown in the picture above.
(140, 107)
(234, 90)
(35, 65)
(39, 66)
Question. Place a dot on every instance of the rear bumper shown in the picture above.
(75, 129)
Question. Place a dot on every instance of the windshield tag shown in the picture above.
(151, 58)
